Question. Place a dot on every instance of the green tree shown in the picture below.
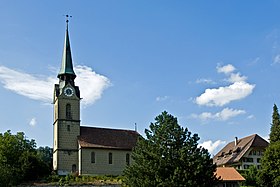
(19, 160)
(169, 156)
(275, 126)
(45, 154)
(269, 176)
(270, 162)
(250, 175)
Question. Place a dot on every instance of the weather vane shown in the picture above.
(67, 17)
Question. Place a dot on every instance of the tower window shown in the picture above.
(68, 127)
(68, 111)
(92, 157)
(110, 158)
(127, 159)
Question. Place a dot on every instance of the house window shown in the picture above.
(248, 159)
(110, 158)
(229, 185)
(68, 111)
(74, 168)
(92, 157)
(258, 160)
(127, 159)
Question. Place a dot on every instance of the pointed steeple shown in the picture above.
(66, 69)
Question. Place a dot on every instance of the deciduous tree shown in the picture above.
(19, 160)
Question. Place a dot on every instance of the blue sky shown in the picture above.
(212, 64)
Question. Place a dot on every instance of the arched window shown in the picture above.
(92, 157)
(110, 158)
(68, 111)
(127, 159)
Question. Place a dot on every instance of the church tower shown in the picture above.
(66, 126)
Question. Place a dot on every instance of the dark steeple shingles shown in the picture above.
(66, 63)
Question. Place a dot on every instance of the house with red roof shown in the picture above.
(229, 177)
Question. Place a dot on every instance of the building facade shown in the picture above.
(79, 149)
(242, 153)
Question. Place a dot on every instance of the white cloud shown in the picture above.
(33, 122)
(236, 77)
(41, 88)
(212, 147)
(162, 98)
(205, 81)
(276, 59)
(225, 69)
(224, 95)
(37, 88)
(91, 84)
(250, 117)
(239, 89)
(266, 138)
(255, 61)
(223, 115)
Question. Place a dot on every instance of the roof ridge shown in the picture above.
(252, 135)
(242, 138)
(107, 128)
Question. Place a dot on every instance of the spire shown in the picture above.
(66, 63)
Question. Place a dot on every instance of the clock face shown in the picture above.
(68, 91)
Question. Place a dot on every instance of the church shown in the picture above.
(79, 149)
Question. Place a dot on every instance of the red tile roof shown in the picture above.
(93, 137)
(232, 153)
(228, 174)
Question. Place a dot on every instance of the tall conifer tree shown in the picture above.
(275, 126)
(269, 174)
(169, 156)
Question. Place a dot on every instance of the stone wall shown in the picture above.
(101, 165)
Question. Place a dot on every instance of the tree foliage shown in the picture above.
(250, 175)
(275, 126)
(19, 160)
(45, 154)
(169, 156)
(270, 162)
(269, 175)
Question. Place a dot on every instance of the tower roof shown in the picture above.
(66, 63)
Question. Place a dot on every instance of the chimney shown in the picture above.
(236, 141)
